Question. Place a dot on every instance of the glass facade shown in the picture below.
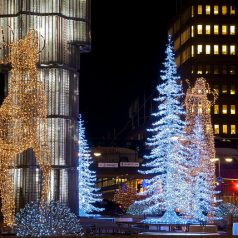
(64, 26)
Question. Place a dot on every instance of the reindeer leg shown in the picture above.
(7, 195)
(45, 168)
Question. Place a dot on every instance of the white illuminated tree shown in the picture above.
(201, 186)
(88, 194)
(201, 150)
(166, 190)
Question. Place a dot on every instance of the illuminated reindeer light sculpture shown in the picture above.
(22, 120)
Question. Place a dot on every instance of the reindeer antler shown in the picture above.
(4, 44)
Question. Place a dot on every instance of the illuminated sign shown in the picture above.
(108, 165)
(129, 164)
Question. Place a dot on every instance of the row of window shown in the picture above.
(203, 29)
(224, 129)
(213, 9)
(225, 90)
(214, 49)
(214, 29)
(214, 69)
(205, 50)
(224, 109)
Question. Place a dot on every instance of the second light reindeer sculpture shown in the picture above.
(23, 122)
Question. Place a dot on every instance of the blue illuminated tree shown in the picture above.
(166, 190)
(88, 194)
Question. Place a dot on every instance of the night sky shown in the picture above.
(128, 44)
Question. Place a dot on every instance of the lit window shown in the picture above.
(233, 109)
(199, 71)
(224, 89)
(192, 11)
(233, 129)
(224, 29)
(216, 109)
(232, 10)
(232, 69)
(208, 69)
(208, 9)
(199, 49)
(216, 69)
(224, 109)
(232, 50)
(216, 129)
(216, 10)
(233, 89)
(199, 9)
(216, 49)
(216, 29)
(224, 129)
(208, 49)
(208, 29)
(192, 31)
(224, 49)
(224, 10)
(232, 30)
(192, 51)
(216, 88)
(199, 29)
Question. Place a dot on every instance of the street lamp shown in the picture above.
(229, 160)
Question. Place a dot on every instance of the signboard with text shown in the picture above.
(129, 164)
(108, 165)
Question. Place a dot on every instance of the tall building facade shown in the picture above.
(205, 42)
(64, 26)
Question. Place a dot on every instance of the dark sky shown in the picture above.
(128, 43)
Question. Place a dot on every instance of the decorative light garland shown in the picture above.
(22, 119)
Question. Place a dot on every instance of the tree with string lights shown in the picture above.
(166, 163)
(88, 194)
(46, 219)
(125, 195)
(201, 150)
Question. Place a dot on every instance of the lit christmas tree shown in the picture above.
(47, 219)
(202, 192)
(125, 195)
(166, 191)
(201, 150)
(88, 194)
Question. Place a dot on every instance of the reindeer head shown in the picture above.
(23, 53)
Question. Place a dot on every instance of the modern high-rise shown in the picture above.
(65, 29)
(205, 42)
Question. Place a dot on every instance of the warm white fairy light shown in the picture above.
(22, 119)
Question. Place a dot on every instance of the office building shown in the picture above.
(204, 35)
